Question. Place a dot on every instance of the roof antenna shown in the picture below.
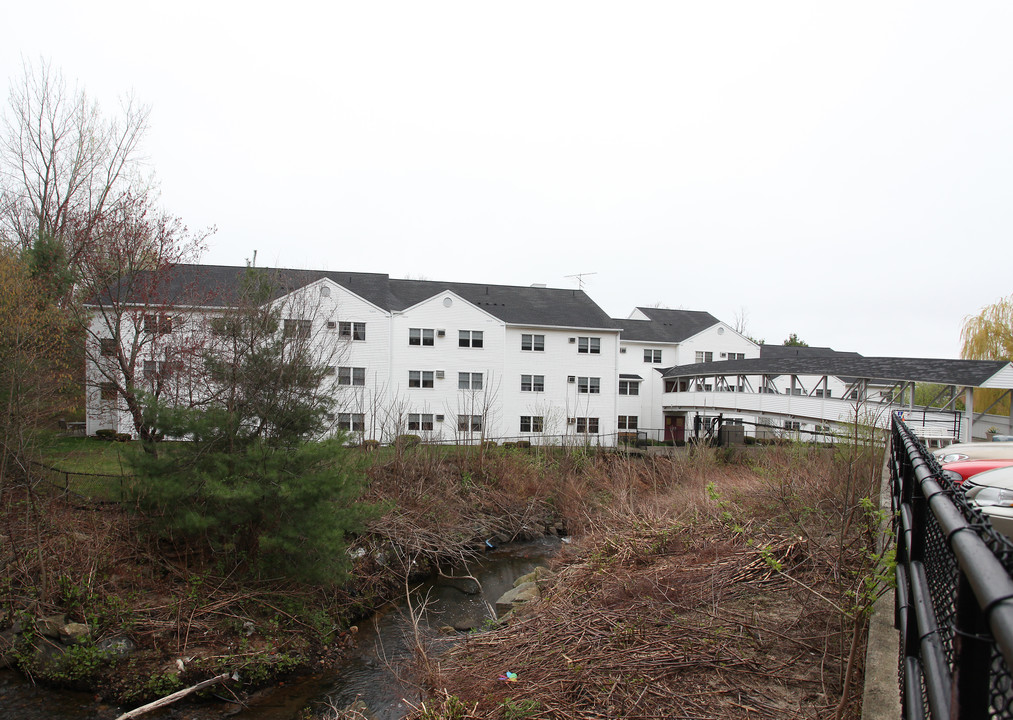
(580, 279)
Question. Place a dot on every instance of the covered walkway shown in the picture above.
(824, 388)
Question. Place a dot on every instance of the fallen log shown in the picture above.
(170, 699)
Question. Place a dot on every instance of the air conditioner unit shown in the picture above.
(573, 340)
(724, 354)
(332, 325)
(439, 418)
(441, 333)
(622, 351)
(571, 421)
(571, 378)
(439, 374)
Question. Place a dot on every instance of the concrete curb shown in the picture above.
(881, 697)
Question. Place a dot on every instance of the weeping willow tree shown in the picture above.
(989, 336)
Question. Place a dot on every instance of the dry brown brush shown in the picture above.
(699, 590)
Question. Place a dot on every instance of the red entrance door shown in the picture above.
(675, 428)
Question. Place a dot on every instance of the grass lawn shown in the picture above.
(86, 465)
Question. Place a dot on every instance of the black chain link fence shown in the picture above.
(954, 593)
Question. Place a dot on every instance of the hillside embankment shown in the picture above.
(702, 584)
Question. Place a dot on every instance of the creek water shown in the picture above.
(373, 673)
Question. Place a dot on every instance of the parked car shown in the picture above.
(992, 491)
(963, 469)
(974, 451)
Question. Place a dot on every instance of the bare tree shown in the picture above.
(741, 321)
(132, 317)
(62, 160)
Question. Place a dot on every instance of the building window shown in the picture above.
(469, 338)
(736, 356)
(824, 393)
(532, 383)
(629, 387)
(588, 385)
(351, 422)
(469, 381)
(107, 391)
(421, 336)
(297, 328)
(792, 425)
(352, 330)
(158, 324)
(535, 343)
(156, 369)
(107, 347)
(589, 345)
(532, 423)
(587, 425)
(351, 376)
(652, 356)
(420, 378)
(702, 357)
(420, 421)
(628, 422)
(469, 423)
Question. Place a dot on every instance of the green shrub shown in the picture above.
(105, 434)
(408, 441)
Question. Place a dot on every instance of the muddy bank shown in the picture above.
(372, 670)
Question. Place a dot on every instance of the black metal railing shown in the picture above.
(954, 594)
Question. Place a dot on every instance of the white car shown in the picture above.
(974, 451)
(992, 491)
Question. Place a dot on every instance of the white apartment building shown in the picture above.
(447, 361)
(463, 362)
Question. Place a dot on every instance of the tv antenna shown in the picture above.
(580, 278)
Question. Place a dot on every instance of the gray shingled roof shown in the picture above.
(218, 286)
(970, 373)
(791, 351)
(669, 326)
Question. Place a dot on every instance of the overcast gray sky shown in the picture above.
(839, 170)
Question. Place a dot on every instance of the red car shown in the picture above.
(964, 469)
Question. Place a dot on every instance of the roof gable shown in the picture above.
(666, 326)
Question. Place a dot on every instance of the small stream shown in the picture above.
(382, 645)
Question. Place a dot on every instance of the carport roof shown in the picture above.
(965, 373)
